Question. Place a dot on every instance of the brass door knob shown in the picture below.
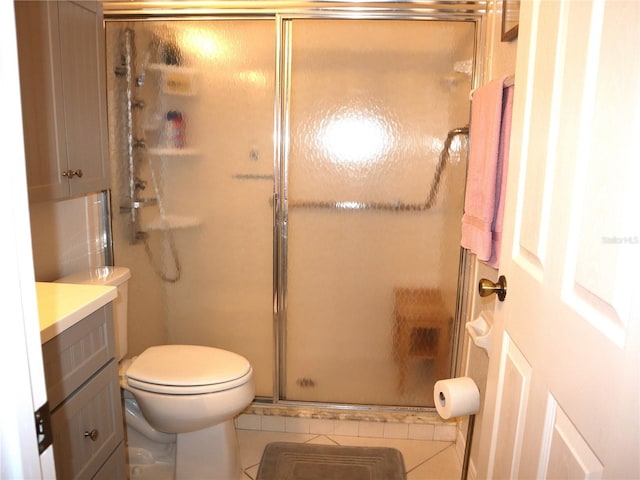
(93, 435)
(487, 287)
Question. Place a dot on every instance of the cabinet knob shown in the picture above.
(93, 435)
(72, 173)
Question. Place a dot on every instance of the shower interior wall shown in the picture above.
(224, 296)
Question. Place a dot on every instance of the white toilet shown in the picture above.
(186, 393)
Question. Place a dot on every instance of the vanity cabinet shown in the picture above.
(62, 78)
(83, 390)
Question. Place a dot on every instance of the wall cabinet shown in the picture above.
(83, 389)
(62, 77)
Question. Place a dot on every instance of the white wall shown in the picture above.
(66, 236)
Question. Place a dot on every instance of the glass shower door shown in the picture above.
(192, 213)
(371, 269)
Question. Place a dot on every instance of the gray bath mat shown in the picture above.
(305, 461)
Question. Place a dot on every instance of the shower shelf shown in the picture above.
(164, 68)
(173, 152)
(173, 222)
(175, 80)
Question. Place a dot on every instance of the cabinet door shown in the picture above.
(116, 467)
(62, 79)
(41, 94)
(88, 426)
(83, 77)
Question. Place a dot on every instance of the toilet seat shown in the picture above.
(187, 370)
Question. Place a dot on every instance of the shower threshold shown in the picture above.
(339, 420)
(417, 415)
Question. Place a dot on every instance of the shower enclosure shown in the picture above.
(289, 186)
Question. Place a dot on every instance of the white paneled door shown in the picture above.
(23, 390)
(562, 397)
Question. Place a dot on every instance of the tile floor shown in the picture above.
(424, 459)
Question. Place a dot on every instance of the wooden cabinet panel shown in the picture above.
(62, 74)
(77, 353)
(88, 426)
(41, 94)
(116, 467)
(83, 73)
(83, 389)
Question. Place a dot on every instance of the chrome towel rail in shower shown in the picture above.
(251, 176)
(390, 206)
(395, 206)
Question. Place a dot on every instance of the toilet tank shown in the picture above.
(112, 276)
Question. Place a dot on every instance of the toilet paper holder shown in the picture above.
(455, 397)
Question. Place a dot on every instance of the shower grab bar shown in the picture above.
(390, 206)
(444, 156)
(396, 206)
(251, 176)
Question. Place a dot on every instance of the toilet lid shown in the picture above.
(187, 369)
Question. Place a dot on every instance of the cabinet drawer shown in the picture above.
(77, 353)
(116, 467)
(94, 408)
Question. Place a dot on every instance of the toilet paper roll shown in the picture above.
(455, 397)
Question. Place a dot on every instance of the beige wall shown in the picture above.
(499, 57)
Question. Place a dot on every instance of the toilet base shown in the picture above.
(210, 453)
(151, 465)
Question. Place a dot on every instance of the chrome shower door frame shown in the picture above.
(284, 12)
(281, 199)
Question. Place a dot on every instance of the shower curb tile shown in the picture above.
(346, 428)
(321, 426)
(296, 425)
(395, 430)
(420, 432)
(273, 423)
(445, 433)
(249, 422)
(371, 429)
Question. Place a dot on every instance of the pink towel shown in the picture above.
(488, 160)
(501, 175)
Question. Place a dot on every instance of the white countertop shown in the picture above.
(62, 305)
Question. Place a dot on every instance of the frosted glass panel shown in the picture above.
(370, 270)
(203, 129)
(371, 280)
